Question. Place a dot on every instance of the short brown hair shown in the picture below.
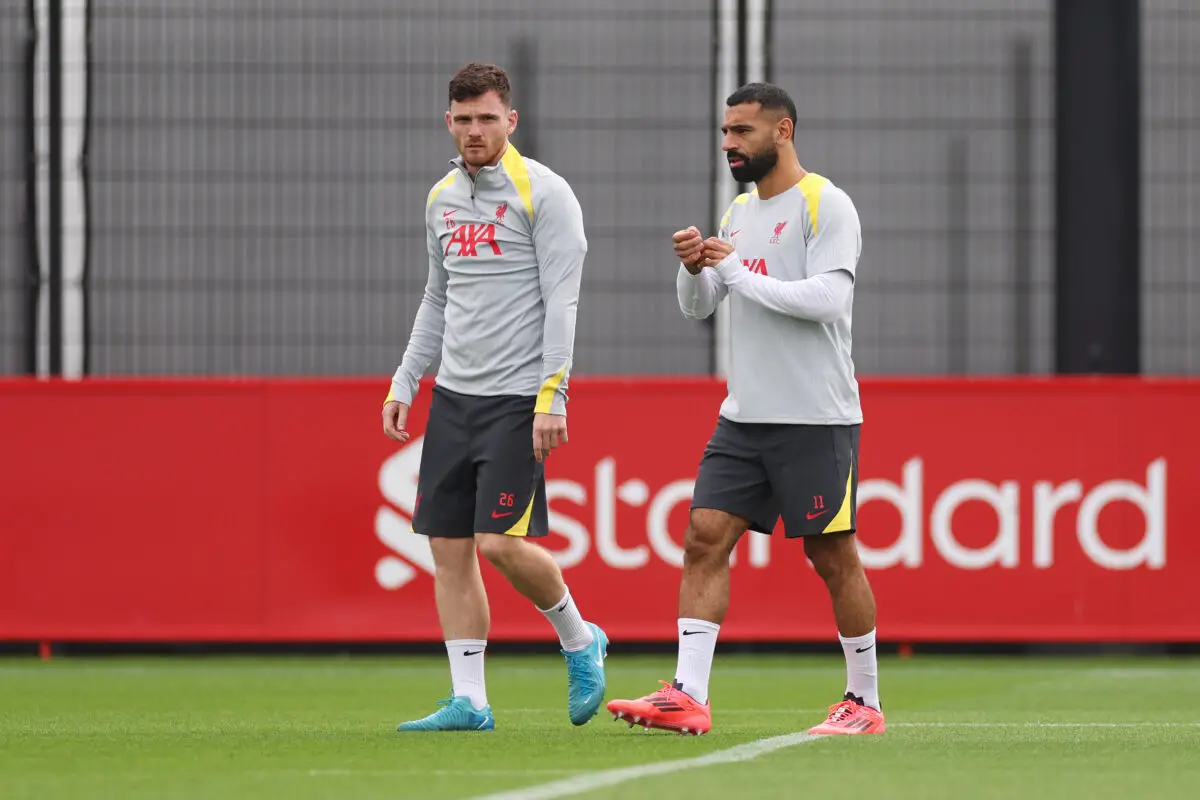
(477, 79)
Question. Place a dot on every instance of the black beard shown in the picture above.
(755, 168)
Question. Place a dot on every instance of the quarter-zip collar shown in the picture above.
(485, 175)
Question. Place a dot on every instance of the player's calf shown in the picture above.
(530, 569)
(835, 558)
(534, 573)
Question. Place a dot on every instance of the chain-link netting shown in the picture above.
(259, 172)
(14, 97)
(937, 117)
(1170, 188)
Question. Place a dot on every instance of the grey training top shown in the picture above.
(506, 254)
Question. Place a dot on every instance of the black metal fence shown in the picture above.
(938, 119)
(16, 224)
(260, 173)
(257, 173)
(1170, 245)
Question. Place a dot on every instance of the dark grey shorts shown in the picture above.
(478, 473)
(806, 474)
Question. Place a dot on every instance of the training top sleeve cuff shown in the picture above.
(399, 391)
(730, 267)
(552, 398)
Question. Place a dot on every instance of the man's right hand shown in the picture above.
(395, 417)
(689, 247)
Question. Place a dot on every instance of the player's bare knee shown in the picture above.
(833, 556)
(451, 554)
(453, 560)
(696, 548)
(711, 535)
(499, 549)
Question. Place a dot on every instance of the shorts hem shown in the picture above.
(806, 534)
(528, 535)
(443, 535)
(753, 525)
(452, 535)
(792, 421)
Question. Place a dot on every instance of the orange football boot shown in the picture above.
(850, 716)
(668, 709)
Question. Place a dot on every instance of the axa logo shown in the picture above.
(501, 210)
(758, 265)
(779, 226)
(410, 553)
(470, 237)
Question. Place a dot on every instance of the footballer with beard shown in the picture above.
(786, 439)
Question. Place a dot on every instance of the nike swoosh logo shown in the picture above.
(498, 515)
(815, 514)
(689, 633)
(471, 652)
(560, 608)
(862, 649)
(450, 212)
(735, 233)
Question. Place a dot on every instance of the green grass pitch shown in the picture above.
(322, 727)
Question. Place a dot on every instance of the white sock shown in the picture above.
(862, 673)
(697, 641)
(573, 633)
(466, 669)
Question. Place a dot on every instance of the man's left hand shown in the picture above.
(714, 251)
(549, 431)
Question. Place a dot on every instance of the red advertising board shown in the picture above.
(990, 510)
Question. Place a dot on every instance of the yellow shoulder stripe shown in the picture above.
(811, 186)
(546, 394)
(740, 200)
(442, 184)
(514, 165)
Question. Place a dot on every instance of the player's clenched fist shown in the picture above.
(714, 250)
(689, 245)
(395, 417)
